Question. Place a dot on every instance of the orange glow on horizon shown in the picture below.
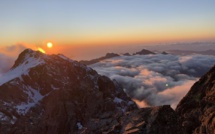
(138, 38)
(129, 37)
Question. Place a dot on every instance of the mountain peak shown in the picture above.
(26, 60)
(45, 86)
(30, 59)
(25, 55)
(144, 52)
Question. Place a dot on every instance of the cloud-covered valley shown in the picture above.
(156, 79)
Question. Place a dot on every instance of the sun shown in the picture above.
(49, 45)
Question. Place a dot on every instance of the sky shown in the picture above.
(87, 29)
(104, 23)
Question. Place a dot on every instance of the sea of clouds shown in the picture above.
(152, 80)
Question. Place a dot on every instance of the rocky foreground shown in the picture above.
(51, 94)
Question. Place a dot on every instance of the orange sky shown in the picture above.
(105, 22)
(90, 27)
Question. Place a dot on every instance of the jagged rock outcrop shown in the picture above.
(152, 120)
(197, 108)
(51, 94)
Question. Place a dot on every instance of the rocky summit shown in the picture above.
(52, 94)
(55, 95)
(197, 108)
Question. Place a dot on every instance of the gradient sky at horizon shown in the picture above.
(105, 22)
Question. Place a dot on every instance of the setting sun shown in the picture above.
(49, 45)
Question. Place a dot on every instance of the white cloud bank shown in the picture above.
(156, 79)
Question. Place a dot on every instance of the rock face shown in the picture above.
(51, 94)
(153, 120)
(197, 108)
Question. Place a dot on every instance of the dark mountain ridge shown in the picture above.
(197, 108)
(112, 55)
(51, 94)
(107, 56)
(144, 52)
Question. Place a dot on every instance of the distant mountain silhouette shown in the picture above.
(164, 52)
(127, 54)
(107, 56)
(112, 55)
(144, 52)
(186, 52)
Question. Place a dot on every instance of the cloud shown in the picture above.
(169, 96)
(8, 55)
(6, 63)
(174, 95)
(13, 50)
(156, 79)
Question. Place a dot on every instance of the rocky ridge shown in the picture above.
(197, 108)
(112, 55)
(51, 94)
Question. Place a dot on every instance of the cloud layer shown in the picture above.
(156, 79)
